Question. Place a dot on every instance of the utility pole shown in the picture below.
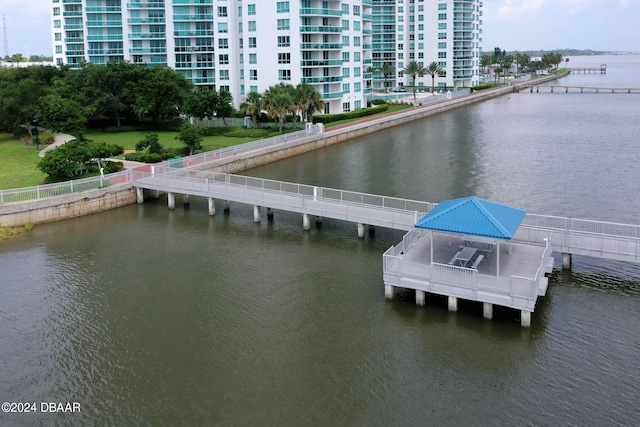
(6, 41)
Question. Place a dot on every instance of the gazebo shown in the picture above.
(478, 220)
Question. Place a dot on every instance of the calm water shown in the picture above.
(157, 317)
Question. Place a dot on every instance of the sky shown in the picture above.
(607, 25)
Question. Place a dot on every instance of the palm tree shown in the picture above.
(486, 61)
(277, 101)
(252, 106)
(307, 100)
(434, 69)
(414, 69)
(387, 70)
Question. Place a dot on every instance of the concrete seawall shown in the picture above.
(88, 202)
(67, 206)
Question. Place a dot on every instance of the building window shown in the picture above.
(345, 56)
(223, 43)
(357, 87)
(252, 26)
(284, 41)
(284, 74)
(253, 89)
(442, 6)
(251, 9)
(253, 42)
(442, 26)
(58, 49)
(442, 36)
(345, 40)
(282, 7)
(222, 11)
(56, 11)
(345, 24)
(356, 25)
(283, 24)
(442, 16)
(442, 45)
(224, 74)
(224, 59)
(356, 41)
(346, 72)
(442, 54)
(345, 9)
(356, 56)
(223, 27)
(357, 72)
(357, 105)
(253, 58)
(356, 10)
(346, 87)
(253, 74)
(284, 58)
(346, 107)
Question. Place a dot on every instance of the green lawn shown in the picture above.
(18, 164)
(167, 138)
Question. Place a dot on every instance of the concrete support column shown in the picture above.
(487, 310)
(185, 199)
(226, 206)
(420, 297)
(256, 213)
(269, 213)
(372, 229)
(171, 200)
(318, 220)
(360, 230)
(453, 303)
(525, 319)
(388, 291)
(212, 206)
(140, 195)
(156, 194)
(566, 261)
(305, 222)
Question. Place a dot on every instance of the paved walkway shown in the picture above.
(62, 138)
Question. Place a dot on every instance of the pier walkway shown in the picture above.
(574, 89)
(514, 280)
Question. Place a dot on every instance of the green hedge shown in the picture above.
(483, 87)
(328, 118)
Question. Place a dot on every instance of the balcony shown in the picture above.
(193, 2)
(193, 33)
(142, 50)
(104, 23)
(145, 5)
(320, 46)
(319, 29)
(101, 9)
(320, 12)
(322, 79)
(195, 17)
(72, 14)
(74, 53)
(73, 27)
(332, 95)
(321, 63)
(146, 20)
(148, 35)
(74, 40)
(203, 80)
(104, 38)
(105, 52)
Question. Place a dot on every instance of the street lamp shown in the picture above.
(35, 132)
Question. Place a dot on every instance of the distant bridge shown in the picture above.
(567, 89)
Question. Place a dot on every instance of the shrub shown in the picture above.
(378, 102)
(249, 133)
(328, 118)
(144, 157)
(483, 87)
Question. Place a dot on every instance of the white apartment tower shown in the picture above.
(249, 45)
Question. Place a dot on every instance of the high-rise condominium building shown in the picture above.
(338, 46)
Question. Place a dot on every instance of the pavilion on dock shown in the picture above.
(472, 249)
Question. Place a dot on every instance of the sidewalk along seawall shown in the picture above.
(87, 202)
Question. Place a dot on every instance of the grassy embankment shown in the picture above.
(18, 164)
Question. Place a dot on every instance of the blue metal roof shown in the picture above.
(475, 216)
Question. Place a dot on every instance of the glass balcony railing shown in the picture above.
(322, 79)
(319, 29)
(321, 62)
(321, 12)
